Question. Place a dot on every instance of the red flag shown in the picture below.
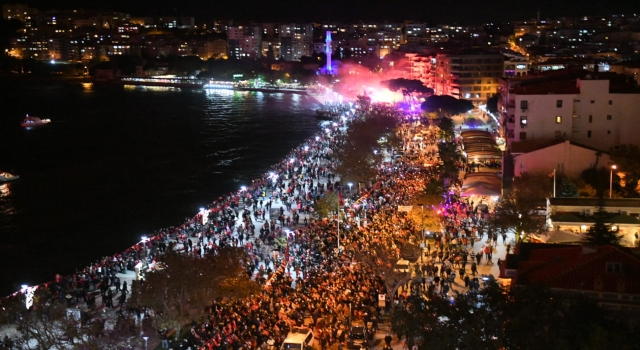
(341, 201)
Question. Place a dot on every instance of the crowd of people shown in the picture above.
(320, 271)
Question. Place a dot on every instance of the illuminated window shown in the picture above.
(523, 121)
(558, 119)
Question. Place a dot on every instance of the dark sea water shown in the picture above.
(118, 163)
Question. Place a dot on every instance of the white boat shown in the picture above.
(34, 121)
(6, 177)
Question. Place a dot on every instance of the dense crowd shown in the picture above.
(314, 272)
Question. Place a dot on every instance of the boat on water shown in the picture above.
(6, 177)
(34, 121)
(164, 81)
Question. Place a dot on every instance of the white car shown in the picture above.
(300, 338)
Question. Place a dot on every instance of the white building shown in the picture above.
(576, 215)
(597, 113)
(564, 156)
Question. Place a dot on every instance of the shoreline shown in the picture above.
(215, 204)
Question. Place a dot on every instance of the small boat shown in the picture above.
(34, 121)
(6, 177)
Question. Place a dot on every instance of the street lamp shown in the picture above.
(613, 167)
(421, 228)
(146, 342)
(350, 184)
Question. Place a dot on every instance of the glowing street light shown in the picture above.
(613, 167)
(350, 184)
(243, 188)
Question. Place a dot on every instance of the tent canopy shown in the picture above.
(480, 191)
(476, 133)
(482, 184)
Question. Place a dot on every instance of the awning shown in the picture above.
(558, 236)
(472, 133)
(481, 184)
(480, 191)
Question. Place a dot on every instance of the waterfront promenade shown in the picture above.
(308, 160)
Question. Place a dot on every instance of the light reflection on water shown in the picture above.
(5, 191)
(120, 162)
(6, 204)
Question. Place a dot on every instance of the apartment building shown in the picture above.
(245, 41)
(472, 76)
(296, 40)
(595, 110)
(421, 67)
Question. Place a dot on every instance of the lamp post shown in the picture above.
(421, 229)
(338, 211)
(613, 167)
(350, 184)
(146, 342)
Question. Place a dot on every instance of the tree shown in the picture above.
(446, 127)
(598, 179)
(179, 292)
(492, 103)
(8, 29)
(449, 156)
(519, 209)
(446, 105)
(383, 263)
(567, 188)
(363, 102)
(47, 325)
(407, 86)
(601, 233)
(427, 218)
(627, 158)
(357, 151)
(520, 318)
(327, 205)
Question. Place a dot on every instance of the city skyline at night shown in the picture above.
(350, 10)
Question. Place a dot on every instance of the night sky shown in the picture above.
(462, 11)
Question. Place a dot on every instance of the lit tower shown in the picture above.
(328, 51)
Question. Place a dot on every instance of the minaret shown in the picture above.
(328, 51)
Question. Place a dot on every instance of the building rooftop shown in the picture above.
(564, 81)
(521, 147)
(595, 202)
(601, 269)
